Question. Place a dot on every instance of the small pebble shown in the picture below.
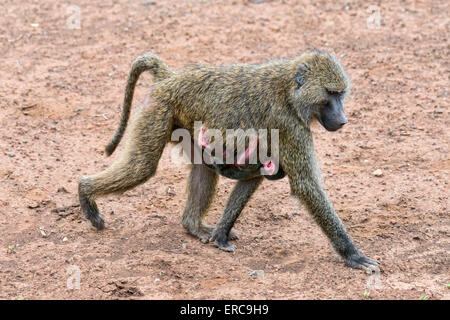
(62, 189)
(170, 192)
(256, 274)
(148, 2)
(377, 173)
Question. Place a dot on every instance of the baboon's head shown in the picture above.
(320, 86)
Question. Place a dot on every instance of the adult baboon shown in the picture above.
(283, 94)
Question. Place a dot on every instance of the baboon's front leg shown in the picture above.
(305, 184)
(325, 215)
(237, 201)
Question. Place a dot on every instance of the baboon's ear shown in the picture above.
(300, 77)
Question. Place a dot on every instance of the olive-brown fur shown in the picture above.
(282, 94)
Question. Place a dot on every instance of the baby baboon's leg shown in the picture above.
(148, 136)
(201, 189)
(237, 201)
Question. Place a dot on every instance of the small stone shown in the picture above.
(170, 192)
(256, 274)
(34, 206)
(10, 154)
(65, 239)
(148, 2)
(62, 190)
(378, 173)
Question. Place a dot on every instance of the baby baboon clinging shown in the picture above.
(282, 94)
(239, 168)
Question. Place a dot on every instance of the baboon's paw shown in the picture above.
(359, 261)
(225, 246)
(233, 235)
(220, 239)
(97, 222)
(90, 211)
(203, 232)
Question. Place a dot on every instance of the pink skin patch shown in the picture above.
(269, 167)
(249, 151)
(202, 141)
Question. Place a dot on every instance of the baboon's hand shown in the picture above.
(220, 239)
(359, 261)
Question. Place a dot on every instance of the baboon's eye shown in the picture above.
(335, 93)
(299, 77)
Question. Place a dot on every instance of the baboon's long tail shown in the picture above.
(159, 70)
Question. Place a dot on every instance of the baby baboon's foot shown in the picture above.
(220, 239)
(359, 261)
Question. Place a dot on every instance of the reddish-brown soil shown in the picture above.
(60, 96)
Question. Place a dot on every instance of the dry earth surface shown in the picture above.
(60, 96)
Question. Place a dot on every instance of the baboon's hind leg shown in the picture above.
(201, 189)
(149, 134)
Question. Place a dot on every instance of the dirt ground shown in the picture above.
(60, 95)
